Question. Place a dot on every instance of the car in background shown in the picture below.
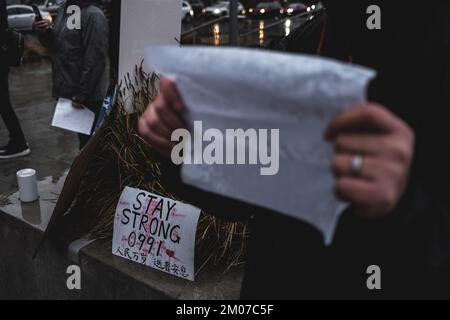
(198, 7)
(314, 7)
(51, 6)
(187, 13)
(21, 17)
(222, 9)
(295, 8)
(266, 9)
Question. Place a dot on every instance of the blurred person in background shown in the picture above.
(17, 145)
(80, 57)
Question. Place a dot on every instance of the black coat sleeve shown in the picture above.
(47, 37)
(414, 83)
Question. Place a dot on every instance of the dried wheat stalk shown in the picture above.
(125, 159)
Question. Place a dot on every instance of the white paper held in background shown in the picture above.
(148, 22)
(69, 118)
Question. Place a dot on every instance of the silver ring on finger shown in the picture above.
(357, 164)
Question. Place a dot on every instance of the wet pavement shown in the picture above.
(53, 150)
(36, 214)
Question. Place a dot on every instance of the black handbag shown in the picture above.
(14, 48)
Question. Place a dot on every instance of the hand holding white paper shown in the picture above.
(69, 118)
(297, 94)
(28, 188)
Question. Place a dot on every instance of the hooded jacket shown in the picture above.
(79, 56)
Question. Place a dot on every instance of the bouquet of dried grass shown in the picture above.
(122, 158)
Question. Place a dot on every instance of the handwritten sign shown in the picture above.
(156, 231)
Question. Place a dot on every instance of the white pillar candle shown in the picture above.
(28, 189)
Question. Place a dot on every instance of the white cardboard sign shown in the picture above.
(156, 231)
(263, 91)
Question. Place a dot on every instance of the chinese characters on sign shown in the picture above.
(156, 231)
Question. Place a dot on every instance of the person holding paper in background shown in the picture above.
(391, 164)
(79, 43)
(17, 145)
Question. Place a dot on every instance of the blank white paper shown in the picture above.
(72, 119)
(230, 88)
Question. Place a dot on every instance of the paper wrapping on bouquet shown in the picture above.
(144, 23)
(156, 231)
(230, 88)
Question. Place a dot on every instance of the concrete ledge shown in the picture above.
(124, 280)
(104, 276)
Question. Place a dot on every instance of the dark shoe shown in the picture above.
(3, 148)
(12, 150)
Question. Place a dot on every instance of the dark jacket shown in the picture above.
(287, 258)
(80, 57)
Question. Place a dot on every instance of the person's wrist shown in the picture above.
(79, 99)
